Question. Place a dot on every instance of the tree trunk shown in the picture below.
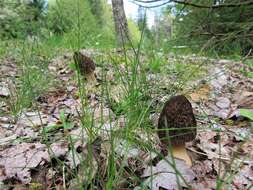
(120, 21)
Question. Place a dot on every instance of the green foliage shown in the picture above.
(160, 35)
(63, 124)
(156, 62)
(2, 48)
(19, 19)
(69, 24)
(67, 15)
(134, 31)
(246, 71)
(250, 74)
(223, 30)
(97, 10)
(34, 79)
(78, 26)
(246, 113)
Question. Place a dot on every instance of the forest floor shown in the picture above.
(59, 132)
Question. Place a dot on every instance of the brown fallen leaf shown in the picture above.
(205, 184)
(244, 99)
(18, 160)
(203, 169)
(209, 144)
(163, 175)
(223, 102)
(219, 78)
(87, 165)
(4, 91)
(117, 93)
(103, 115)
(32, 119)
(244, 178)
(201, 93)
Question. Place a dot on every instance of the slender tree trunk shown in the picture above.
(120, 21)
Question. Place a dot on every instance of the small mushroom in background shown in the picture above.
(86, 66)
(176, 126)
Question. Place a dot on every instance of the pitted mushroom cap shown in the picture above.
(177, 123)
(84, 63)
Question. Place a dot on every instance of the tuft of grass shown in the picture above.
(33, 79)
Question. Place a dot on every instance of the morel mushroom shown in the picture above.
(177, 125)
(85, 65)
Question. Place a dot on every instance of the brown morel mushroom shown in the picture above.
(176, 126)
(85, 65)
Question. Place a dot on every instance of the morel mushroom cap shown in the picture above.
(84, 63)
(177, 123)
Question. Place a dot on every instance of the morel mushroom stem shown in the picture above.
(177, 125)
(90, 77)
(180, 151)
